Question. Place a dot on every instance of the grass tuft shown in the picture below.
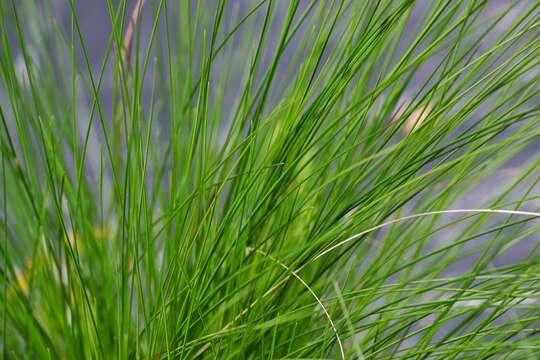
(270, 179)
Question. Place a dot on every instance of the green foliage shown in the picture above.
(271, 179)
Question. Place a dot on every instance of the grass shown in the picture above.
(270, 179)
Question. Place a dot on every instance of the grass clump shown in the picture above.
(270, 179)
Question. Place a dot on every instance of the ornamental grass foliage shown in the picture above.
(238, 179)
